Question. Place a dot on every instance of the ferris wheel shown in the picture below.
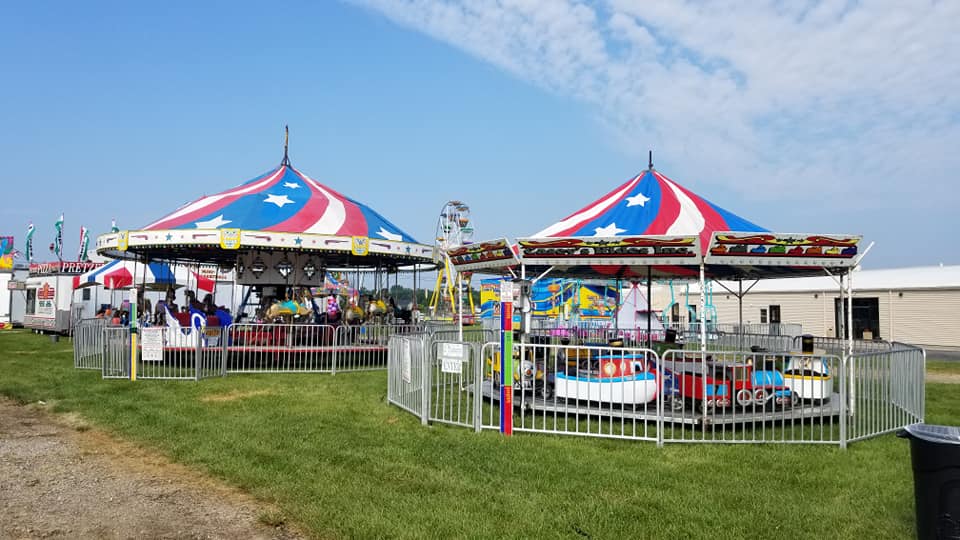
(454, 229)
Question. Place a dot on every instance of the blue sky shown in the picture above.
(828, 117)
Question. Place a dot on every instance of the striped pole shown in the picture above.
(506, 366)
(133, 334)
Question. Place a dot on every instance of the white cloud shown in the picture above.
(818, 100)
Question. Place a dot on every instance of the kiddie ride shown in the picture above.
(575, 374)
(607, 376)
(708, 385)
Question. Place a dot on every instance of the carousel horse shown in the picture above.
(289, 308)
(376, 311)
(354, 314)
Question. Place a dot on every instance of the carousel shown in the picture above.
(301, 251)
(649, 229)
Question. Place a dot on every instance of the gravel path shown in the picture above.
(60, 479)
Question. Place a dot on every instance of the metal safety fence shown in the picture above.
(883, 397)
(199, 352)
(678, 396)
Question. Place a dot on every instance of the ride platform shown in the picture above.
(647, 412)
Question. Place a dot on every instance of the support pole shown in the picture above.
(133, 326)
(851, 367)
(703, 310)
(459, 306)
(740, 315)
(649, 309)
(506, 358)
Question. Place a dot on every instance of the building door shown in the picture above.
(774, 314)
(866, 317)
(774, 328)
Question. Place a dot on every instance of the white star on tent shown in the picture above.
(609, 230)
(214, 223)
(638, 199)
(389, 235)
(291, 185)
(278, 200)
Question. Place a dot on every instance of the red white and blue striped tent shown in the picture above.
(121, 274)
(650, 204)
(283, 200)
(281, 211)
(652, 226)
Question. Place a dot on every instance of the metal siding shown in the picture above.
(927, 318)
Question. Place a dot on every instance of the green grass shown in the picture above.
(336, 458)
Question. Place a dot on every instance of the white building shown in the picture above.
(917, 305)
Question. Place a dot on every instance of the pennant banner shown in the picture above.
(84, 244)
(58, 239)
(28, 249)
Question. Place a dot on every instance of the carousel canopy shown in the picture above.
(283, 221)
(651, 226)
(283, 200)
(650, 204)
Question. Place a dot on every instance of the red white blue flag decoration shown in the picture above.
(650, 204)
(283, 200)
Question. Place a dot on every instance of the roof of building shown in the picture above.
(918, 277)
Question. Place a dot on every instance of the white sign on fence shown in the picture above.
(506, 291)
(151, 344)
(452, 356)
(405, 361)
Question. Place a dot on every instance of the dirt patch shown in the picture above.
(59, 478)
(948, 378)
(234, 395)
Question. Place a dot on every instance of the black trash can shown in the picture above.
(935, 454)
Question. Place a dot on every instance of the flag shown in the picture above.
(58, 239)
(28, 251)
(84, 244)
(113, 225)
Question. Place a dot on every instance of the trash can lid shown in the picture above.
(934, 433)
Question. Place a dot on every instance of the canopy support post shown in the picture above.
(703, 310)
(649, 310)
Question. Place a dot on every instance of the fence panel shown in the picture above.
(177, 359)
(597, 391)
(116, 352)
(88, 344)
(280, 348)
(886, 391)
(722, 396)
(405, 373)
(361, 348)
(452, 382)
